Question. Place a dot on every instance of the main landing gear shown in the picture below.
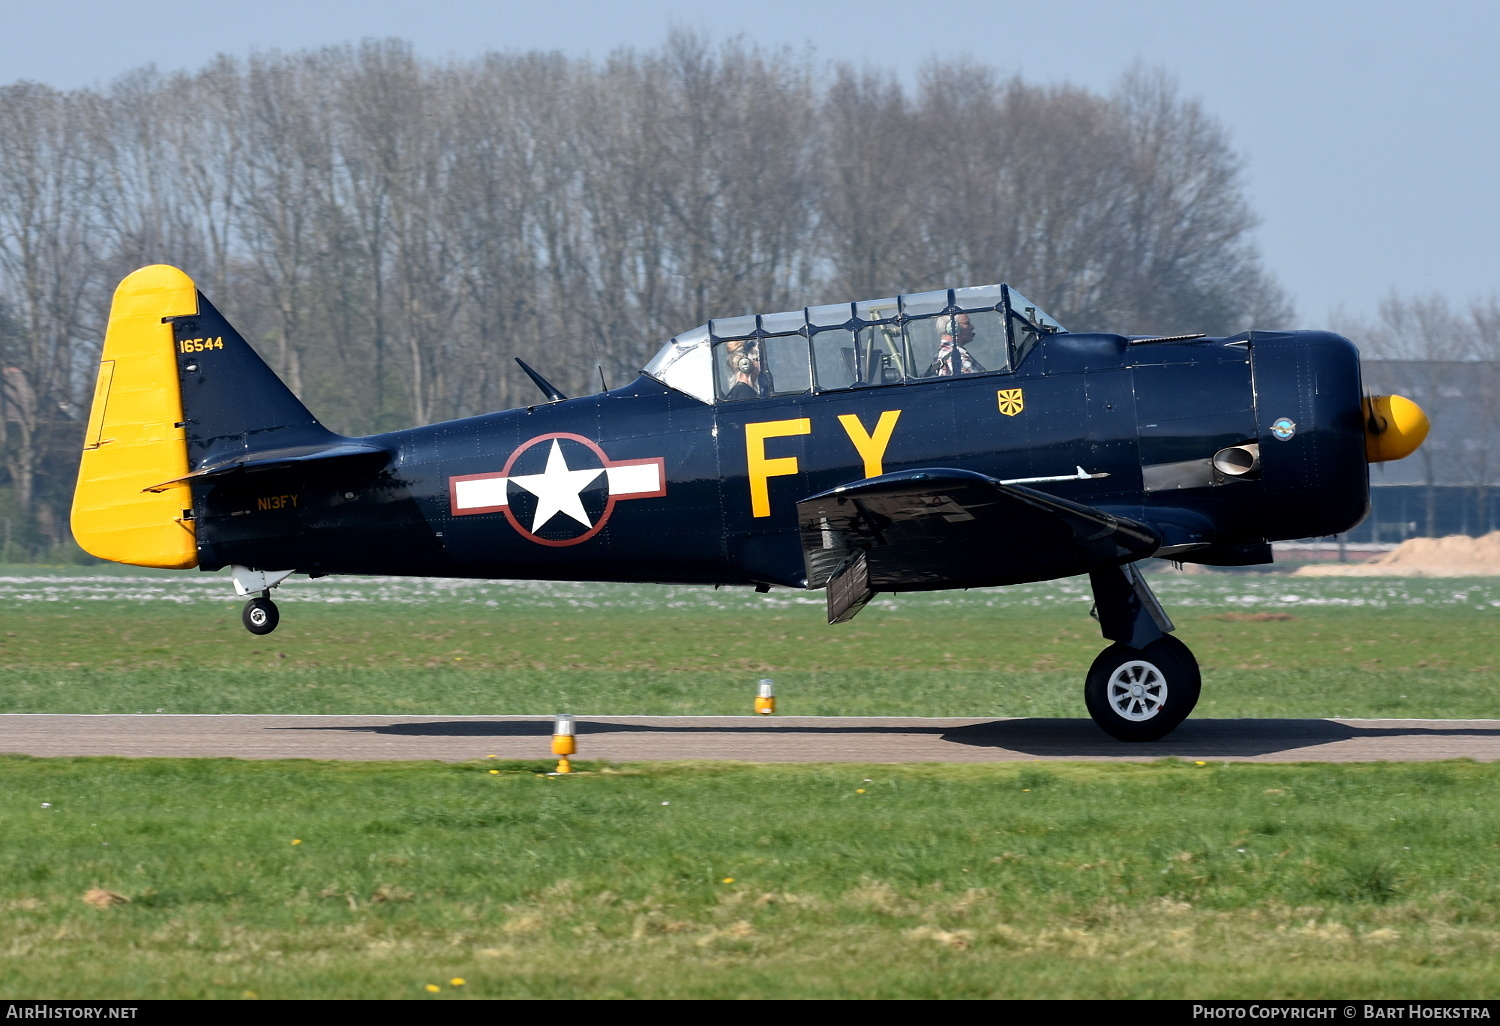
(1147, 682)
(260, 615)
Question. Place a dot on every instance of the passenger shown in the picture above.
(956, 331)
(743, 360)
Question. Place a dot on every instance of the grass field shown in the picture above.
(296, 879)
(286, 879)
(82, 640)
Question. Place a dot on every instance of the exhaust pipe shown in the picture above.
(1238, 460)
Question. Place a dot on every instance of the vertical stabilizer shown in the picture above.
(135, 436)
(232, 402)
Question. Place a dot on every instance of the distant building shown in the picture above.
(1451, 485)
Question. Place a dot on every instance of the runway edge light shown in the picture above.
(765, 697)
(564, 742)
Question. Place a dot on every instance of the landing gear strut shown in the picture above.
(260, 615)
(1147, 682)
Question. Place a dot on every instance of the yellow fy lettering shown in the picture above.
(871, 447)
(761, 469)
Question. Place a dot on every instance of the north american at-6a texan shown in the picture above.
(959, 438)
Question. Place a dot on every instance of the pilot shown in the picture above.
(956, 331)
(743, 360)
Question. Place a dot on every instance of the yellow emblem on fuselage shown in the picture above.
(1011, 401)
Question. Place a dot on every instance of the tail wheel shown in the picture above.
(1142, 694)
(260, 616)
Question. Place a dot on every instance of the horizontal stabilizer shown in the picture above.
(945, 528)
(349, 454)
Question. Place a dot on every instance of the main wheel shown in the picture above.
(1142, 694)
(260, 616)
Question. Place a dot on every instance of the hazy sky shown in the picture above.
(1371, 129)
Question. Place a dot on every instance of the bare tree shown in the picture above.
(869, 177)
(735, 131)
(1121, 212)
(286, 166)
(1187, 258)
(49, 272)
(392, 230)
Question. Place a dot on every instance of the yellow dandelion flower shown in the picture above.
(494, 771)
(729, 879)
(859, 790)
(296, 840)
(457, 981)
(432, 988)
(1200, 762)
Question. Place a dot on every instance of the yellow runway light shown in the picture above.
(765, 697)
(564, 743)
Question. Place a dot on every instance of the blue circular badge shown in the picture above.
(1283, 428)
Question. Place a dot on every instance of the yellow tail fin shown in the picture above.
(135, 436)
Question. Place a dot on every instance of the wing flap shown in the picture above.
(946, 528)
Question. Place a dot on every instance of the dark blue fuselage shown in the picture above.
(1090, 401)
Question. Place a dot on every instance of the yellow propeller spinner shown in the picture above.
(1394, 427)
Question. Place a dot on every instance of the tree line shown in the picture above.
(389, 231)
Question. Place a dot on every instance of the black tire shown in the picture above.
(260, 616)
(1142, 694)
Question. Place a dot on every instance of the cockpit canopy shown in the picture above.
(986, 329)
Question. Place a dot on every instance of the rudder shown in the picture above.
(179, 392)
(135, 435)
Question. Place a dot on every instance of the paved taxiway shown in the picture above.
(746, 738)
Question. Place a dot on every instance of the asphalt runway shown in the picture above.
(742, 738)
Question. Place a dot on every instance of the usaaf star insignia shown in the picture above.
(1011, 401)
(557, 489)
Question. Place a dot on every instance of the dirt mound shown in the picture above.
(1457, 555)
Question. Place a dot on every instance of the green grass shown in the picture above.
(1064, 880)
(1169, 880)
(78, 640)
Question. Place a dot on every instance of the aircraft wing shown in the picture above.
(921, 529)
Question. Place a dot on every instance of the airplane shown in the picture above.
(957, 438)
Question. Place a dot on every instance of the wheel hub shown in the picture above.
(1137, 690)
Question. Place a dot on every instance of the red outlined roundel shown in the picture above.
(555, 489)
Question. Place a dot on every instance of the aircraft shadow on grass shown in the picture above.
(1077, 738)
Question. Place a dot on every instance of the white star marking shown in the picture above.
(557, 490)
